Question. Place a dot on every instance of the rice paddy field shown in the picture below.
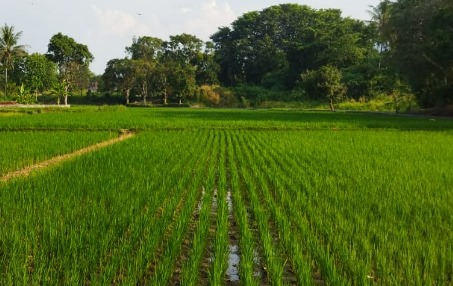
(226, 197)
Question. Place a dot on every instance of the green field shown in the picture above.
(24, 148)
(228, 197)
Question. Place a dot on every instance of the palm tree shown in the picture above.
(380, 16)
(9, 49)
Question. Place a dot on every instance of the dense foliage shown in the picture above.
(276, 45)
(72, 59)
(162, 68)
(268, 55)
(36, 72)
(10, 50)
(421, 42)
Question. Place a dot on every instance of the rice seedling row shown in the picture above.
(150, 250)
(119, 264)
(290, 248)
(339, 228)
(294, 234)
(188, 264)
(153, 212)
(250, 267)
(220, 244)
(289, 207)
(164, 264)
(275, 263)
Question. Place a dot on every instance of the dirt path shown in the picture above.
(123, 135)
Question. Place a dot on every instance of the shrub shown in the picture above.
(24, 96)
(324, 83)
(208, 95)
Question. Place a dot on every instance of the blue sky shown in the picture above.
(107, 26)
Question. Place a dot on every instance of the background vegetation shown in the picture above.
(401, 57)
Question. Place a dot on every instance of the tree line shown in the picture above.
(286, 52)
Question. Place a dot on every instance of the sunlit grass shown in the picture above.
(21, 149)
(318, 198)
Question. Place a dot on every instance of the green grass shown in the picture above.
(179, 118)
(318, 197)
(21, 149)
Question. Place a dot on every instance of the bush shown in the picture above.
(208, 95)
(227, 97)
(216, 96)
(24, 97)
(381, 102)
(253, 95)
(324, 84)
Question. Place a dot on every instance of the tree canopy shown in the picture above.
(71, 58)
(422, 47)
(36, 72)
(10, 50)
(283, 52)
(286, 40)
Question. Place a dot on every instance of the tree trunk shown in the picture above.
(6, 82)
(165, 97)
(66, 95)
(409, 107)
(396, 103)
(180, 101)
(332, 108)
(145, 93)
(127, 95)
(381, 49)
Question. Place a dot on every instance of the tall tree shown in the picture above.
(143, 70)
(184, 48)
(324, 83)
(82, 78)
(180, 62)
(70, 57)
(182, 80)
(207, 68)
(158, 81)
(145, 48)
(422, 48)
(226, 57)
(121, 75)
(36, 72)
(283, 41)
(380, 17)
(9, 49)
(146, 52)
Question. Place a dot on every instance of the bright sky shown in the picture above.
(107, 26)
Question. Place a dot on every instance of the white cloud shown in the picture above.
(111, 32)
(118, 23)
(185, 10)
(210, 15)
(213, 10)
